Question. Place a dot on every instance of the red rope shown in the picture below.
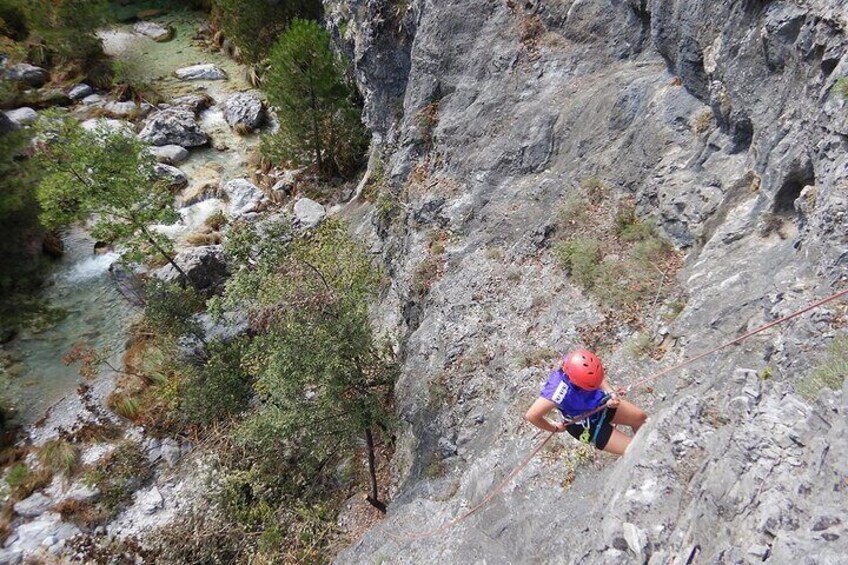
(520, 467)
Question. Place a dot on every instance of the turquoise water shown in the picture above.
(95, 312)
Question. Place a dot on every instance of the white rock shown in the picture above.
(32, 506)
(308, 212)
(32, 534)
(636, 539)
(123, 109)
(93, 100)
(206, 71)
(244, 108)
(150, 501)
(22, 116)
(173, 126)
(80, 91)
(108, 126)
(169, 154)
(244, 197)
(155, 31)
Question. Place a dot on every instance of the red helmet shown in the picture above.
(583, 369)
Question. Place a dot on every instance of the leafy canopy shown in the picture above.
(319, 122)
(322, 378)
(106, 175)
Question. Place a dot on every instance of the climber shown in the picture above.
(577, 387)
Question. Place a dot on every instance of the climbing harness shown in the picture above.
(526, 461)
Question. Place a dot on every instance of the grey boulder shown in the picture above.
(194, 102)
(173, 126)
(204, 266)
(244, 108)
(206, 71)
(80, 91)
(169, 154)
(309, 213)
(32, 506)
(174, 177)
(105, 125)
(35, 77)
(155, 31)
(22, 116)
(244, 197)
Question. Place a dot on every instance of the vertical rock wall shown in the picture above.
(723, 122)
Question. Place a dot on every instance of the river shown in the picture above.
(80, 290)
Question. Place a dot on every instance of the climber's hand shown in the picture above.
(614, 400)
(559, 427)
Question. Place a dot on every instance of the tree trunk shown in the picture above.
(372, 472)
(162, 252)
(316, 133)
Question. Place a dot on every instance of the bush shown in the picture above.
(581, 257)
(59, 456)
(119, 474)
(841, 87)
(217, 389)
(318, 121)
(830, 374)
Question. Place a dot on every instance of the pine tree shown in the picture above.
(318, 121)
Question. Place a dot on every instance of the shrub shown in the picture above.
(17, 475)
(59, 456)
(219, 388)
(581, 257)
(830, 374)
(124, 405)
(841, 87)
(216, 221)
(119, 474)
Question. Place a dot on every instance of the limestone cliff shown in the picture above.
(724, 122)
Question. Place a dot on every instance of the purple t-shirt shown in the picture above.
(571, 400)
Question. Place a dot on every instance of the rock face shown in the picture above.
(204, 266)
(155, 31)
(244, 197)
(656, 99)
(173, 126)
(201, 72)
(35, 77)
(244, 108)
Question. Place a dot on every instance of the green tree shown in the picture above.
(254, 25)
(55, 31)
(18, 211)
(319, 122)
(323, 380)
(106, 175)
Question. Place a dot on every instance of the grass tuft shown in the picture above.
(59, 456)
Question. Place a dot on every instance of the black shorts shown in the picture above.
(600, 428)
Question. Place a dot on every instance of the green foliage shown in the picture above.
(841, 87)
(59, 31)
(106, 174)
(582, 258)
(119, 474)
(254, 25)
(170, 310)
(59, 456)
(219, 387)
(17, 475)
(830, 374)
(318, 121)
(321, 376)
(18, 216)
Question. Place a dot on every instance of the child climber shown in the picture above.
(578, 387)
